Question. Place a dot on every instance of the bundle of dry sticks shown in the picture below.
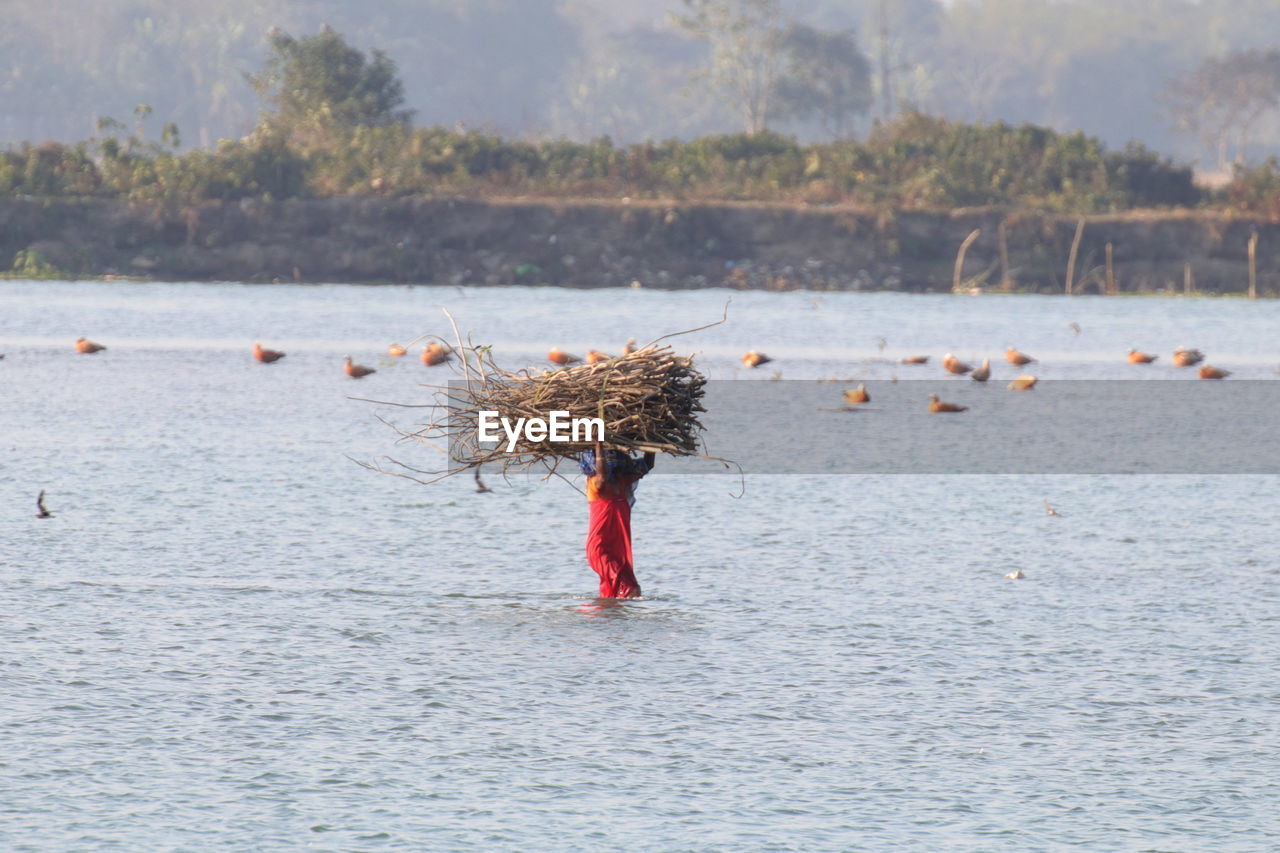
(648, 401)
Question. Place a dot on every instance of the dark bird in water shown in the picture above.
(954, 365)
(433, 354)
(480, 486)
(1208, 372)
(936, 405)
(264, 355)
(1183, 357)
(1049, 510)
(41, 512)
(1012, 356)
(558, 357)
(854, 396)
(356, 371)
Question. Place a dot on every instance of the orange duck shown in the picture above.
(630, 347)
(1208, 372)
(1136, 357)
(854, 396)
(916, 359)
(356, 371)
(954, 365)
(936, 405)
(1012, 356)
(395, 350)
(433, 354)
(982, 374)
(266, 356)
(595, 356)
(1184, 357)
(1025, 382)
(558, 357)
(755, 359)
(87, 346)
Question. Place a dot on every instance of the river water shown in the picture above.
(232, 637)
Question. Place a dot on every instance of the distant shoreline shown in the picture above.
(646, 243)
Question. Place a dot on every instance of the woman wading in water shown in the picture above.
(611, 485)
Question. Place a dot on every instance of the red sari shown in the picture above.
(609, 535)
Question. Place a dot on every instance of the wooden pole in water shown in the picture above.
(1111, 273)
(1188, 280)
(1253, 265)
(1006, 282)
(1071, 257)
(964, 247)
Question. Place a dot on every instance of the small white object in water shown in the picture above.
(1015, 575)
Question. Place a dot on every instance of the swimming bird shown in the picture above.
(395, 350)
(595, 356)
(558, 357)
(41, 512)
(266, 356)
(630, 346)
(881, 343)
(982, 374)
(433, 354)
(936, 405)
(954, 365)
(1184, 357)
(87, 346)
(1012, 356)
(1049, 510)
(755, 359)
(854, 396)
(1025, 382)
(1015, 575)
(1208, 372)
(1075, 327)
(916, 359)
(1136, 357)
(356, 371)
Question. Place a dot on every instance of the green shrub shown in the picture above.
(917, 160)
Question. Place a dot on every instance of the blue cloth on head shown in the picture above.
(616, 464)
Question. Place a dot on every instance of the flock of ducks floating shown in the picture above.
(433, 354)
(1182, 357)
(557, 356)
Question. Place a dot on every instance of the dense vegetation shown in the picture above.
(335, 125)
(916, 161)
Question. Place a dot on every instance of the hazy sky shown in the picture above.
(584, 68)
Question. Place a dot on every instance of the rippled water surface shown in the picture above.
(231, 637)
